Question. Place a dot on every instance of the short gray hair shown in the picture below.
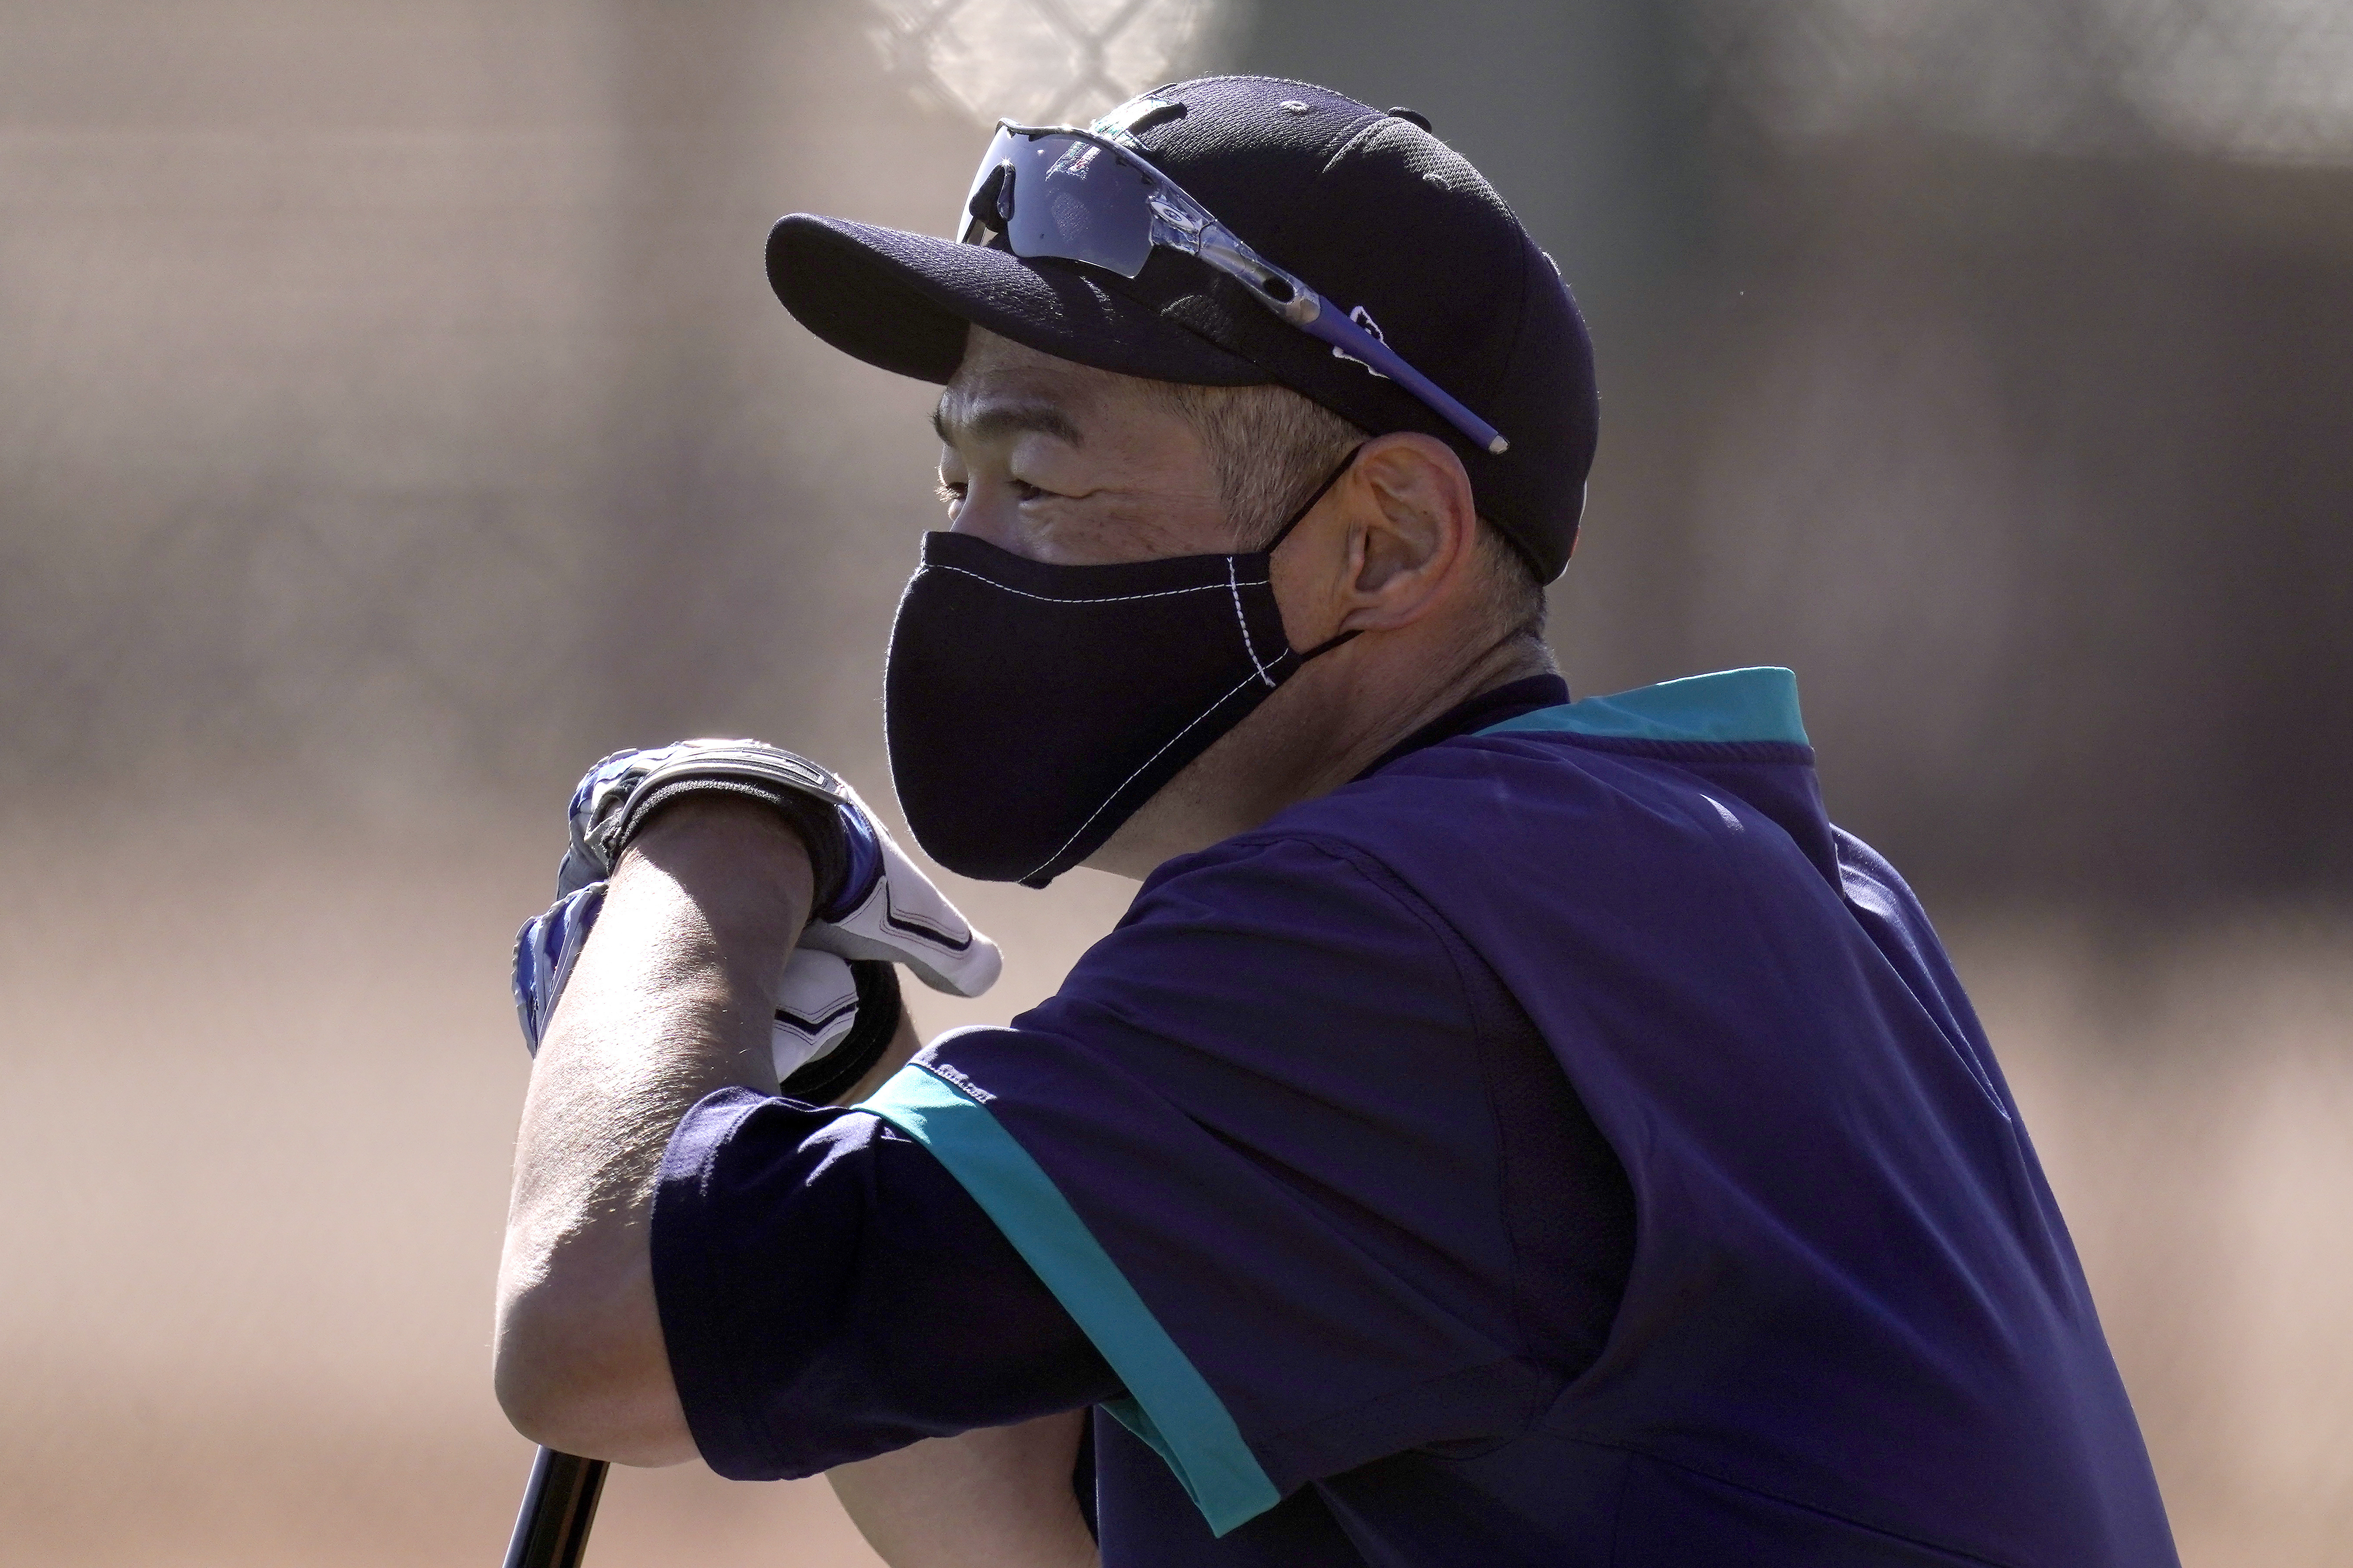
(1270, 448)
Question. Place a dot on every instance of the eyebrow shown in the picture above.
(995, 419)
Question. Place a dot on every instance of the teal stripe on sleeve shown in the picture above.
(1758, 704)
(1170, 1406)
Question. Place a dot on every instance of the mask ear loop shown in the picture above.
(1322, 491)
(1301, 516)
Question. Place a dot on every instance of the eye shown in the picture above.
(1024, 491)
(951, 493)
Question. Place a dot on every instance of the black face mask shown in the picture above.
(1031, 709)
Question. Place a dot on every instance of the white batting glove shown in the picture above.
(880, 907)
(888, 908)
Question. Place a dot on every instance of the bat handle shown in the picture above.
(559, 1503)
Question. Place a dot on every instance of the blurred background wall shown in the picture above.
(394, 416)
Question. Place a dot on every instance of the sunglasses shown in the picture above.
(1072, 195)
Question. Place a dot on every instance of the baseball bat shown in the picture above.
(559, 1504)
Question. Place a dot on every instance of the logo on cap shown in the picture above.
(1363, 319)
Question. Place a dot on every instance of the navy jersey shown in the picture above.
(1559, 1145)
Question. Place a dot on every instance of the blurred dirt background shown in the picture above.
(394, 418)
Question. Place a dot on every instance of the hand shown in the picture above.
(887, 909)
(837, 1001)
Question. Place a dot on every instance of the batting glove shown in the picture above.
(837, 1000)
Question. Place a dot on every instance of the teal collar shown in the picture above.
(1760, 704)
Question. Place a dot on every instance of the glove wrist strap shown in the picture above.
(810, 799)
(817, 823)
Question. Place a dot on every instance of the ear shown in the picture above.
(1411, 526)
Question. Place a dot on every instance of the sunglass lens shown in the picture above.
(1079, 202)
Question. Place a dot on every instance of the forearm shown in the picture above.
(670, 1000)
(998, 1496)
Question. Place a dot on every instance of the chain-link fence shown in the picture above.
(387, 411)
(2263, 80)
(1042, 61)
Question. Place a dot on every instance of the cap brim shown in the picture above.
(902, 301)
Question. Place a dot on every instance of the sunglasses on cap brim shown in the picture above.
(1071, 195)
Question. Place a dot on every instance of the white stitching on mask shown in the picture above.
(1244, 621)
(1130, 779)
(1113, 599)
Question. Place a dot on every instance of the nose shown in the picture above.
(989, 512)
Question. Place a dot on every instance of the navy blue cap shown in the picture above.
(1369, 207)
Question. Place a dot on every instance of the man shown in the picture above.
(1503, 1129)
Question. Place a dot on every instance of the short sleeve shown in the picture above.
(1250, 1146)
(827, 1292)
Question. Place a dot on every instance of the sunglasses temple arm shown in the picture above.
(1209, 240)
(1333, 326)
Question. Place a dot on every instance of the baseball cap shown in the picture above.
(1369, 206)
